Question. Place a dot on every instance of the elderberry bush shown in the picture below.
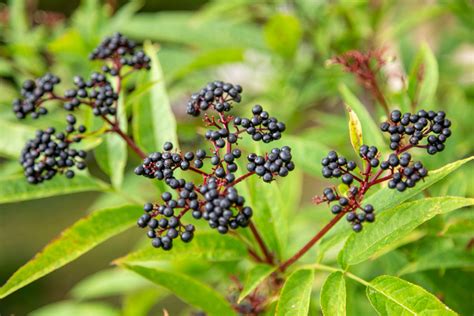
(215, 198)
(399, 170)
(51, 153)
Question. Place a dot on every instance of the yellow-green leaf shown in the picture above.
(15, 188)
(255, 276)
(296, 294)
(355, 130)
(392, 296)
(394, 224)
(189, 290)
(76, 240)
(333, 295)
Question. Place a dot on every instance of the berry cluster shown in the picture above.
(216, 199)
(163, 222)
(335, 166)
(407, 174)
(277, 162)
(96, 92)
(261, 126)
(34, 93)
(416, 127)
(399, 169)
(121, 51)
(217, 96)
(44, 156)
(49, 153)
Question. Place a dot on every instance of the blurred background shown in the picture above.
(279, 51)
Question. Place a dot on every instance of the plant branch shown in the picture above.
(311, 243)
(261, 243)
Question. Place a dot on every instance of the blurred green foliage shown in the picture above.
(280, 52)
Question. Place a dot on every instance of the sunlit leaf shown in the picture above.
(76, 240)
(333, 295)
(393, 296)
(253, 279)
(15, 188)
(394, 224)
(187, 289)
(296, 293)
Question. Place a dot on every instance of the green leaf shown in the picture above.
(386, 198)
(154, 122)
(296, 294)
(425, 68)
(107, 283)
(355, 130)
(390, 295)
(333, 295)
(76, 240)
(68, 308)
(394, 224)
(16, 188)
(111, 155)
(189, 290)
(255, 276)
(13, 137)
(283, 34)
(370, 129)
(205, 246)
(441, 259)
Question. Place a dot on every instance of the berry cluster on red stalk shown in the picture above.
(50, 153)
(216, 198)
(399, 170)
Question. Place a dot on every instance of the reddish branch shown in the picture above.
(365, 66)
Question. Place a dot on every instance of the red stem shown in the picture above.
(261, 243)
(241, 178)
(311, 243)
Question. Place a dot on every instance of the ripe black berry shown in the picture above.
(49, 153)
(34, 93)
(217, 95)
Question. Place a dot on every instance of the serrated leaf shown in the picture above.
(296, 293)
(154, 122)
(283, 34)
(255, 276)
(13, 137)
(386, 198)
(425, 68)
(111, 155)
(67, 308)
(355, 130)
(369, 128)
(16, 188)
(189, 290)
(440, 259)
(333, 295)
(106, 283)
(390, 295)
(76, 240)
(394, 224)
(205, 246)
